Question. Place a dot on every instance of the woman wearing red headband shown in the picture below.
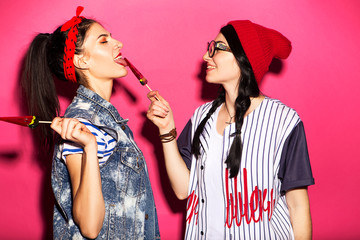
(242, 159)
(99, 176)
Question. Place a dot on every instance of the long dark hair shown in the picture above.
(43, 63)
(248, 87)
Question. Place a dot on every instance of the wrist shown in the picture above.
(166, 129)
(168, 136)
(91, 147)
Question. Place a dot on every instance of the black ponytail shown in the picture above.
(39, 87)
(43, 63)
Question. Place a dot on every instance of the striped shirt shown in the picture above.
(105, 143)
(274, 160)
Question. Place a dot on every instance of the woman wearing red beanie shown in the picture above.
(242, 160)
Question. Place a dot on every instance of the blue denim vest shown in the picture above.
(130, 211)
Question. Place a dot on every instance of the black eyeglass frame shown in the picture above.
(217, 46)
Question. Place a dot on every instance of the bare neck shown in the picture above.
(103, 89)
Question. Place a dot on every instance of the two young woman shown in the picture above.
(99, 176)
(242, 159)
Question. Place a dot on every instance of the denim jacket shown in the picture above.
(130, 211)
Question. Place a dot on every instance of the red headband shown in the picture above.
(69, 50)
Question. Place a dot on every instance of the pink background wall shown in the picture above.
(166, 41)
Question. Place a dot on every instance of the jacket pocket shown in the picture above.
(131, 172)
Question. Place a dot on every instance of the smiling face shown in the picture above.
(222, 68)
(101, 57)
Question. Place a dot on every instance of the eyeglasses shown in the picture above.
(213, 46)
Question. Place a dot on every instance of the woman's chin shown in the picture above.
(122, 73)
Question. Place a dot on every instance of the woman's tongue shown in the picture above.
(121, 61)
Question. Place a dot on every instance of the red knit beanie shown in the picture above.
(261, 45)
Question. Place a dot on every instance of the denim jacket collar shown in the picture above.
(98, 100)
(89, 105)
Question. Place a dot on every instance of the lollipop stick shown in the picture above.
(151, 91)
(45, 121)
(148, 87)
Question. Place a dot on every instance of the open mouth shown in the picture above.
(120, 60)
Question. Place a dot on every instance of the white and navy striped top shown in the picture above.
(274, 160)
(105, 143)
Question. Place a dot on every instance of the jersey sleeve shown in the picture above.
(73, 148)
(295, 169)
(184, 144)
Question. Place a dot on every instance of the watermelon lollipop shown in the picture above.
(27, 121)
(139, 76)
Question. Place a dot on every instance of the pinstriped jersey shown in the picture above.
(274, 160)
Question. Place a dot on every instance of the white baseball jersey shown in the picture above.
(274, 160)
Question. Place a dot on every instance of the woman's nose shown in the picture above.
(206, 56)
(119, 44)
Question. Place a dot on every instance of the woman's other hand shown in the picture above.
(73, 130)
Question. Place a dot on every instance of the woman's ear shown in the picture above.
(80, 62)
